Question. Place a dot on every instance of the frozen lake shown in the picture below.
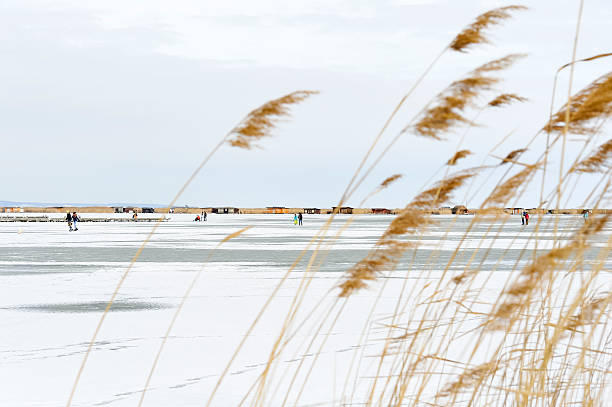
(54, 286)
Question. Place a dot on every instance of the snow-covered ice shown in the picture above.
(54, 286)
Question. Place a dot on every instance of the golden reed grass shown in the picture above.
(389, 249)
(511, 372)
(512, 156)
(506, 99)
(408, 222)
(390, 180)
(254, 126)
(474, 33)
(262, 120)
(458, 156)
(599, 161)
(531, 277)
(586, 107)
(450, 104)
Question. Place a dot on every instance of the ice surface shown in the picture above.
(55, 284)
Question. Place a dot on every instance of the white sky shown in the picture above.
(117, 101)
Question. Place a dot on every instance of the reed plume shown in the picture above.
(468, 378)
(474, 34)
(499, 64)
(512, 156)
(388, 251)
(588, 312)
(505, 99)
(451, 103)
(458, 156)
(390, 180)
(590, 104)
(259, 122)
(442, 190)
(599, 161)
(505, 191)
(531, 276)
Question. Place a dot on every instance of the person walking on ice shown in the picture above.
(69, 221)
(75, 219)
(526, 218)
(295, 219)
(300, 219)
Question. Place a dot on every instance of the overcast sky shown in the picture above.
(118, 101)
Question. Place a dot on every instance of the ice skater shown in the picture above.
(69, 221)
(75, 219)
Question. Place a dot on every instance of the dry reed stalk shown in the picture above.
(473, 34)
(409, 374)
(469, 378)
(531, 276)
(588, 312)
(593, 58)
(389, 250)
(512, 156)
(505, 191)
(259, 122)
(255, 125)
(599, 161)
(506, 99)
(263, 119)
(451, 103)
(458, 156)
(180, 307)
(509, 308)
(591, 103)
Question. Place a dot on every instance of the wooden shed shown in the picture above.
(459, 210)
(343, 209)
(312, 211)
(225, 210)
(276, 209)
(381, 211)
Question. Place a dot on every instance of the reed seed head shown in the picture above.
(259, 122)
(512, 156)
(588, 107)
(452, 102)
(474, 34)
(506, 99)
(599, 161)
(390, 180)
(458, 155)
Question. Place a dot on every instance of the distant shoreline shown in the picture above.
(459, 209)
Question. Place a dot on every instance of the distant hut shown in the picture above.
(225, 210)
(459, 210)
(381, 211)
(312, 211)
(148, 210)
(277, 209)
(343, 209)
